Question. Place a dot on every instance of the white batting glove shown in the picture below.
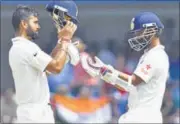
(73, 53)
(95, 68)
(85, 62)
(98, 68)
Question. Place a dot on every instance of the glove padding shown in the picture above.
(93, 69)
(98, 69)
(73, 53)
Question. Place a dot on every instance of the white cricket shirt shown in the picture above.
(153, 68)
(27, 62)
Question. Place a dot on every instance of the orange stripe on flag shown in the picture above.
(81, 105)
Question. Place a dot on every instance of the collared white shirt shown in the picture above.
(153, 68)
(28, 62)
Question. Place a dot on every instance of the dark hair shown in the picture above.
(22, 12)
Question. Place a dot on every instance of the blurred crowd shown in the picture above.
(77, 97)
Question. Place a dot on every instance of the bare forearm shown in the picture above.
(60, 52)
(59, 55)
(57, 50)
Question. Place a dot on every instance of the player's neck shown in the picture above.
(155, 42)
(22, 34)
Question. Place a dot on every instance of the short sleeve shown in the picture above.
(39, 60)
(145, 69)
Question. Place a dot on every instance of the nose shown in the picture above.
(38, 27)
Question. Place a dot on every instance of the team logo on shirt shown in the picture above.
(35, 54)
(145, 69)
(148, 66)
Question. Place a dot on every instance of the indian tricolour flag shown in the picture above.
(79, 110)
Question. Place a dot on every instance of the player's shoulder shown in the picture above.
(158, 56)
(22, 44)
(22, 48)
(20, 41)
(158, 53)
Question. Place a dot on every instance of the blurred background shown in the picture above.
(75, 96)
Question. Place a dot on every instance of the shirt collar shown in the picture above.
(154, 48)
(19, 39)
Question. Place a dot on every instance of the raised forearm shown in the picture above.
(59, 55)
(59, 50)
(55, 50)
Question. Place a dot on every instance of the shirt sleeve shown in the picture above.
(145, 69)
(39, 59)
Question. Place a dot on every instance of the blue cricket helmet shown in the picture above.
(63, 10)
(143, 28)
